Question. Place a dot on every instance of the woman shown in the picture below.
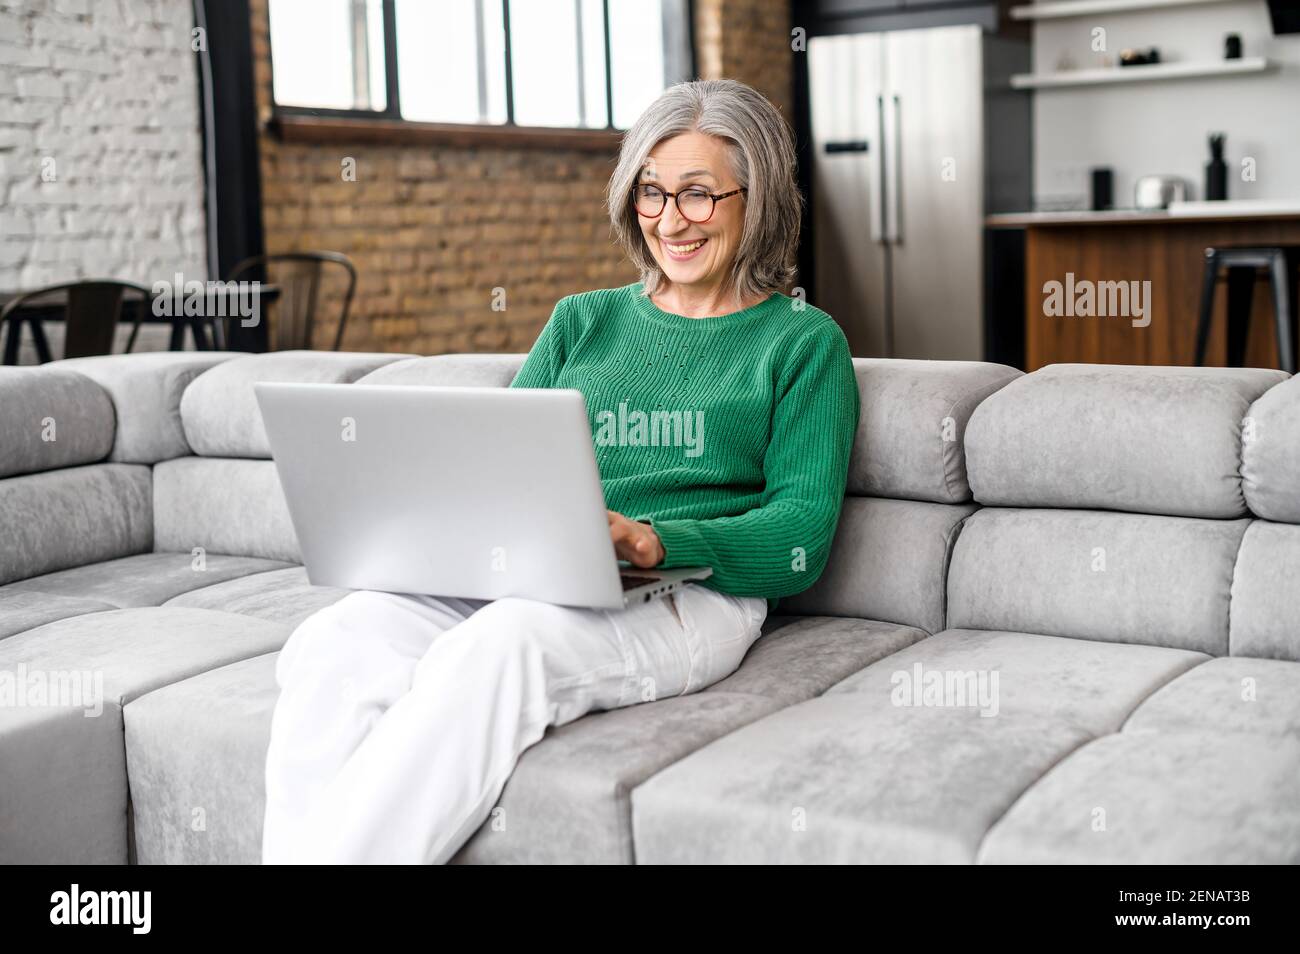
(401, 717)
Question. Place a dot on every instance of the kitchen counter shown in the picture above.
(1252, 209)
(1158, 254)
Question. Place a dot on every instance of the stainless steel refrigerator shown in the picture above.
(901, 124)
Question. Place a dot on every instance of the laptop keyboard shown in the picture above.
(632, 582)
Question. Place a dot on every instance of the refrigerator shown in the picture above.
(903, 125)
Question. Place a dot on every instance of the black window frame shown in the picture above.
(682, 17)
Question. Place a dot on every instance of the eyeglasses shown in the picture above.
(695, 205)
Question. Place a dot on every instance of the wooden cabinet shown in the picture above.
(1167, 251)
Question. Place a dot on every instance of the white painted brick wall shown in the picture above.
(108, 90)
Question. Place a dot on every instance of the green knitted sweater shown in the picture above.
(730, 435)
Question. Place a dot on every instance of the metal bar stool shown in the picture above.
(1242, 264)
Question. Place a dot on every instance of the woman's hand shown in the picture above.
(634, 541)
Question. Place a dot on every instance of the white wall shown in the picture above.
(107, 90)
(1162, 126)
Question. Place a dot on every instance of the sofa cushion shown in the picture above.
(281, 596)
(219, 409)
(842, 780)
(146, 579)
(1270, 453)
(567, 800)
(21, 611)
(75, 810)
(196, 760)
(910, 434)
(73, 516)
(888, 561)
(1260, 696)
(450, 370)
(223, 505)
(1264, 588)
(51, 417)
(146, 391)
(802, 656)
(46, 817)
(1160, 798)
(1163, 581)
(1094, 686)
(862, 774)
(1115, 437)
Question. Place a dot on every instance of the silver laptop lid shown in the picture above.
(471, 492)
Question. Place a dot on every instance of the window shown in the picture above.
(577, 64)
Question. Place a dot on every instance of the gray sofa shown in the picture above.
(1059, 625)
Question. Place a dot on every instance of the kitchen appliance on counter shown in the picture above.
(1216, 170)
(1103, 189)
(1158, 192)
(916, 135)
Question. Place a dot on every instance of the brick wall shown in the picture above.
(100, 144)
(747, 40)
(434, 231)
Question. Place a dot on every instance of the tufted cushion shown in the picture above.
(73, 516)
(146, 391)
(51, 417)
(451, 370)
(224, 505)
(219, 409)
(1270, 454)
(914, 416)
(1265, 582)
(1112, 437)
(888, 562)
(1086, 574)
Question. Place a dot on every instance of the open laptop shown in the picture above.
(478, 493)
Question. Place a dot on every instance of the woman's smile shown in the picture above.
(682, 251)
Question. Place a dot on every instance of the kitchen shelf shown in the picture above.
(1060, 9)
(1139, 74)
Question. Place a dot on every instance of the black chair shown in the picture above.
(1282, 262)
(91, 311)
(298, 276)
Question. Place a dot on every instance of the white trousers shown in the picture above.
(400, 718)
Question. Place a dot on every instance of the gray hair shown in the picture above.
(762, 158)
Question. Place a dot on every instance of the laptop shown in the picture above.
(478, 493)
